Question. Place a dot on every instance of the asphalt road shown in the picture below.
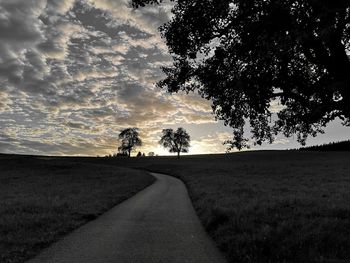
(156, 225)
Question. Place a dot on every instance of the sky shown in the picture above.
(73, 73)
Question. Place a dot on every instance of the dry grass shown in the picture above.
(42, 199)
(269, 206)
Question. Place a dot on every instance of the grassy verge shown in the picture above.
(42, 199)
(268, 206)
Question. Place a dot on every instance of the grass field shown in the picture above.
(42, 199)
(269, 206)
(273, 206)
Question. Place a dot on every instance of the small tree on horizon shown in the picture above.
(177, 142)
(129, 140)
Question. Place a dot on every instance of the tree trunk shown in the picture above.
(178, 154)
(129, 152)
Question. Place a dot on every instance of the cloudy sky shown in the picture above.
(73, 73)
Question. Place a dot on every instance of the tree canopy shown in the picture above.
(245, 55)
(129, 140)
(176, 142)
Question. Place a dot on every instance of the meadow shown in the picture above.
(268, 206)
(42, 199)
(265, 206)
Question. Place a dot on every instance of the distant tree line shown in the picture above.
(175, 141)
(334, 146)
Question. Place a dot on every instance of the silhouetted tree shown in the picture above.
(129, 140)
(176, 142)
(122, 154)
(139, 154)
(245, 54)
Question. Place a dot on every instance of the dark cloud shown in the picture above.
(19, 23)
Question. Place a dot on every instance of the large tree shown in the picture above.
(175, 141)
(244, 55)
(130, 139)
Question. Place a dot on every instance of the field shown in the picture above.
(273, 206)
(268, 206)
(42, 199)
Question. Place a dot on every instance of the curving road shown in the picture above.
(156, 225)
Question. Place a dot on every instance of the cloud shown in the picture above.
(20, 31)
(62, 6)
(148, 18)
(212, 142)
(26, 28)
(74, 73)
(5, 101)
(20, 25)
(193, 101)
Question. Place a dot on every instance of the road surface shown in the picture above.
(156, 225)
